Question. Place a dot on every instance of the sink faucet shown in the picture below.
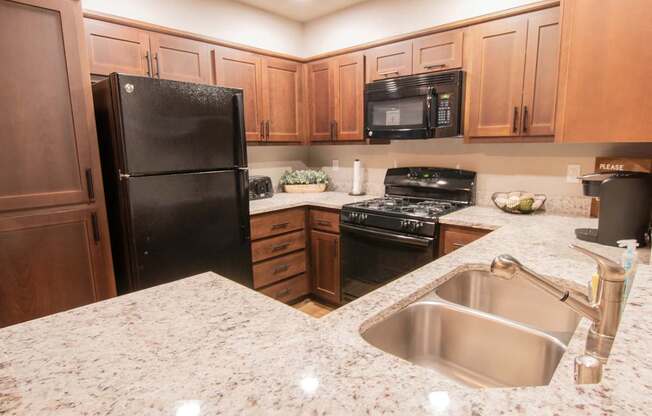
(604, 311)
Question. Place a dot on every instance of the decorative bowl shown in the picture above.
(313, 187)
(518, 202)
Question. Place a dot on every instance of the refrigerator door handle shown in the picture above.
(241, 143)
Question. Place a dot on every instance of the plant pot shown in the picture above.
(315, 187)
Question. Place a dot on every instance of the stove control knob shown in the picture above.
(403, 224)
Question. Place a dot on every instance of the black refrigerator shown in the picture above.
(174, 165)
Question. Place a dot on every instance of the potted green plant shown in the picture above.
(307, 180)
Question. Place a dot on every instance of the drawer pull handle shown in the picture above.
(281, 268)
(283, 292)
(324, 223)
(435, 66)
(388, 73)
(458, 245)
(280, 226)
(279, 247)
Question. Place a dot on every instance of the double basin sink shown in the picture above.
(481, 331)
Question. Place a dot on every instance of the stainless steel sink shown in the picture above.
(516, 299)
(480, 332)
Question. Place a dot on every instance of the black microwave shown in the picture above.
(415, 107)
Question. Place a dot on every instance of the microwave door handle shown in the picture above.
(429, 125)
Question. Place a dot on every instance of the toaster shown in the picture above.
(260, 187)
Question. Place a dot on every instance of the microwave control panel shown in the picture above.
(444, 110)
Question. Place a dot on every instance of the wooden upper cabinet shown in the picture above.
(605, 84)
(348, 81)
(389, 61)
(496, 78)
(46, 118)
(51, 263)
(541, 70)
(238, 69)
(117, 48)
(325, 265)
(180, 59)
(438, 52)
(320, 100)
(281, 94)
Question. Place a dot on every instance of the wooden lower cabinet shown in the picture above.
(290, 289)
(325, 265)
(51, 263)
(452, 237)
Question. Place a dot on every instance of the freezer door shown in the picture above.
(184, 224)
(172, 126)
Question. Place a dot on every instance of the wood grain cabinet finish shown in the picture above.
(54, 248)
(438, 52)
(51, 263)
(325, 265)
(453, 237)
(275, 223)
(117, 48)
(513, 79)
(180, 59)
(389, 61)
(605, 84)
(496, 83)
(279, 268)
(239, 69)
(348, 96)
(290, 289)
(281, 80)
(325, 220)
(278, 246)
(320, 100)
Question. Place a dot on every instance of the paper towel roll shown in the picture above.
(357, 178)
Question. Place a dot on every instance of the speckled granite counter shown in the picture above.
(205, 345)
(324, 199)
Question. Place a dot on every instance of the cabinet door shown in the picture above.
(46, 116)
(117, 48)
(496, 79)
(349, 90)
(50, 263)
(389, 61)
(320, 87)
(605, 86)
(180, 59)
(238, 69)
(541, 69)
(282, 99)
(325, 265)
(438, 52)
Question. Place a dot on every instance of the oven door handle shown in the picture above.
(388, 236)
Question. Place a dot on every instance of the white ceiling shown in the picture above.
(301, 10)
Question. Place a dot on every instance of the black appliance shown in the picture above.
(625, 199)
(415, 107)
(260, 187)
(385, 238)
(175, 173)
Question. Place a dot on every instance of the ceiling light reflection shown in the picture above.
(309, 384)
(188, 408)
(439, 400)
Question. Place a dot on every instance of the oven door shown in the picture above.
(399, 114)
(372, 257)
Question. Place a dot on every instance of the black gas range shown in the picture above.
(385, 238)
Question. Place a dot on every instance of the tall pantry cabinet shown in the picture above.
(54, 243)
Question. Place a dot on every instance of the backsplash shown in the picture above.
(341, 180)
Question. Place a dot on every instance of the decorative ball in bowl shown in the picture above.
(304, 181)
(518, 202)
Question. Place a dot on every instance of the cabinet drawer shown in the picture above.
(267, 225)
(454, 237)
(288, 290)
(279, 245)
(325, 220)
(271, 271)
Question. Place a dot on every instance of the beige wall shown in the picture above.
(272, 161)
(222, 19)
(377, 19)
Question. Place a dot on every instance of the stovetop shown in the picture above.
(405, 207)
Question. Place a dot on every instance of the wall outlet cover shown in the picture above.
(572, 173)
(336, 164)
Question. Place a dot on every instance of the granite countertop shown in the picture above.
(205, 345)
(284, 200)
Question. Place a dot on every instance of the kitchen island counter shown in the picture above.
(205, 345)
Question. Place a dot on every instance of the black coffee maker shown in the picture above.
(625, 202)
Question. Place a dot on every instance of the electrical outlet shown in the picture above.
(395, 164)
(336, 164)
(572, 173)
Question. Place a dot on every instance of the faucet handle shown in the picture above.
(607, 269)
